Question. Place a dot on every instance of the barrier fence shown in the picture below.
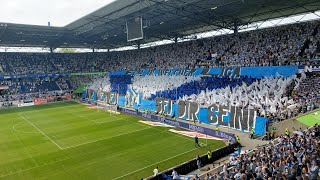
(191, 165)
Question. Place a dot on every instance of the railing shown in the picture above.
(191, 165)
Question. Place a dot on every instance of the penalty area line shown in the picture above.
(41, 132)
(85, 118)
(154, 164)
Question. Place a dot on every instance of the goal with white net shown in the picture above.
(109, 108)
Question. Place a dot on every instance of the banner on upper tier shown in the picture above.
(231, 72)
(312, 69)
(30, 76)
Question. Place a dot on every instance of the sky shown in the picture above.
(40, 12)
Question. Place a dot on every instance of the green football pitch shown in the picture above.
(70, 141)
(310, 119)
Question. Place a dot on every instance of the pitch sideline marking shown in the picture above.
(41, 132)
(101, 139)
(28, 169)
(26, 150)
(23, 170)
(155, 164)
(97, 122)
(111, 120)
(166, 131)
(24, 147)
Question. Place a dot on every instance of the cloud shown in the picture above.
(39, 12)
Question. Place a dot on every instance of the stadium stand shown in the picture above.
(269, 95)
(101, 84)
(308, 95)
(120, 84)
(205, 83)
(149, 85)
(290, 157)
(231, 98)
(284, 45)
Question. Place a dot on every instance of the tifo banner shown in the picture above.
(106, 97)
(227, 116)
(232, 72)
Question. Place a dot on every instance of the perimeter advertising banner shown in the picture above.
(4, 87)
(39, 101)
(188, 126)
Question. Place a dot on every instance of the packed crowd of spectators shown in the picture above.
(204, 84)
(20, 90)
(120, 84)
(292, 157)
(83, 80)
(100, 84)
(268, 96)
(25, 89)
(281, 45)
(308, 93)
(19, 86)
(149, 85)
(13, 100)
(271, 46)
(277, 98)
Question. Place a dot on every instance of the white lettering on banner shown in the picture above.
(130, 112)
(146, 115)
(222, 134)
(196, 128)
(312, 69)
(228, 116)
(173, 123)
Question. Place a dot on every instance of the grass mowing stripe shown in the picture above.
(27, 151)
(178, 135)
(28, 169)
(83, 164)
(310, 119)
(90, 163)
(14, 129)
(154, 164)
(131, 154)
(40, 131)
(97, 122)
(101, 139)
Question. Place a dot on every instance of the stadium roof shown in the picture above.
(162, 19)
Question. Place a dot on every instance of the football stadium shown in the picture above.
(160, 89)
